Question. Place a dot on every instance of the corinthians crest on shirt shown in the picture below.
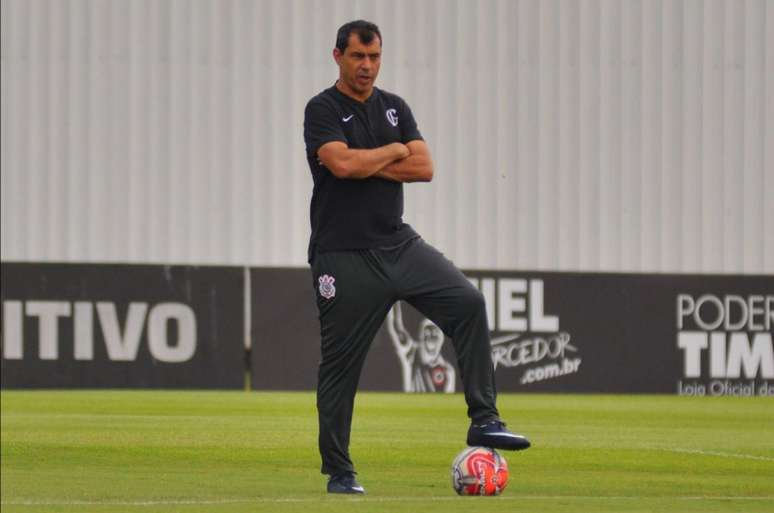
(327, 288)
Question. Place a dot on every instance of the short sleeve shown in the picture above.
(408, 125)
(321, 125)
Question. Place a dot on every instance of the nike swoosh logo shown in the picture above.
(509, 435)
(347, 118)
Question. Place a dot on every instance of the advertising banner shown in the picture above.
(550, 332)
(117, 326)
(723, 332)
(87, 325)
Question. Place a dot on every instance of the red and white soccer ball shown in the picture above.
(479, 471)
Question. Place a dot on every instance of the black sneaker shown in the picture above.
(344, 482)
(494, 434)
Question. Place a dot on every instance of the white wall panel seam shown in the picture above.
(693, 92)
(713, 147)
(768, 129)
(733, 137)
(768, 126)
(671, 134)
(752, 166)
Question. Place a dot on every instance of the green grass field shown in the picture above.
(141, 451)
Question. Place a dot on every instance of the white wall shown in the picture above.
(611, 135)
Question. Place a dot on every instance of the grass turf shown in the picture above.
(143, 451)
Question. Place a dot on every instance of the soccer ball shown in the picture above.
(479, 471)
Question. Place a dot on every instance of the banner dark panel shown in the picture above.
(122, 326)
(607, 332)
(285, 332)
(551, 332)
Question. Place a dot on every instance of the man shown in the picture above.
(424, 367)
(362, 144)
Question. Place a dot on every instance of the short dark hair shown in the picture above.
(365, 30)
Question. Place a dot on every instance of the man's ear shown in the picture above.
(337, 55)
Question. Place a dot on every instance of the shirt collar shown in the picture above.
(368, 101)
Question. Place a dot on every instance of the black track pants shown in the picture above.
(365, 285)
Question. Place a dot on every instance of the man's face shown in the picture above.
(432, 338)
(359, 64)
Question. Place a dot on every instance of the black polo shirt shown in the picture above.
(356, 213)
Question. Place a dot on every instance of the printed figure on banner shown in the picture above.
(424, 368)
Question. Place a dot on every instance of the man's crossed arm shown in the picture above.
(398, 162)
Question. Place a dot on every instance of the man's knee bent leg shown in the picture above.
(471, 301)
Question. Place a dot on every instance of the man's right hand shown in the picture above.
(401, 150)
